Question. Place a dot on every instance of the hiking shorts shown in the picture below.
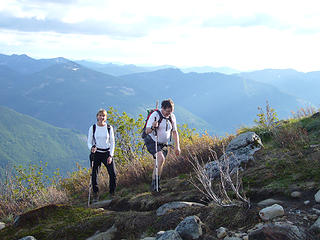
(151, 146)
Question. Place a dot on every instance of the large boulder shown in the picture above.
(240, 150)
(175, 205)
(190, 228)
(279, 231)
(271, 212)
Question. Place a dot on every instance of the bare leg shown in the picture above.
(161, 160)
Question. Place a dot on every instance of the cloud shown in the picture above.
(47, 1)
(244, 21)
(89, 27)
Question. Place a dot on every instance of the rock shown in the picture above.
(2, 225)
(268, 202)
(149, 238)
(271, 212)
(245, 237)
(317, 197)
(232, 238)
(317, 211)
(28, 238)
(108, 235)
(221, 232)
(190, 228)
(169, 235)
(316, 226)
(279, 231)
(306, 202)
(296, 194)
(101, 204)
(312, 217)
(175, 205)
(240, 150)
(160, 233)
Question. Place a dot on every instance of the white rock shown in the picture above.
(101, 204)
(245, 237)
(149, 238)
(175, 205)
(306, 202)
(2, 225)
(268, 202)
(317, 197)
(296, 194)
(28, 238)
(232, 238)
(271, 212)
(221, 232)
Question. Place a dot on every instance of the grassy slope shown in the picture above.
(24, 140)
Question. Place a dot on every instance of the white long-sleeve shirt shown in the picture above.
(102, 138)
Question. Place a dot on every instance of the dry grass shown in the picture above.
(304, 112)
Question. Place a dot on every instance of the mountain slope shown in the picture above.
(24, 140)
(224, 101)
(302, 85)
(26, 65)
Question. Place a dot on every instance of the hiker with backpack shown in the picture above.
(160, 126)
(101, 143)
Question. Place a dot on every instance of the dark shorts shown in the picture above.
(151, 146)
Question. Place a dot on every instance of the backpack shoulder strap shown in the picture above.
(160, 116)
(93, 132)
(109, 128)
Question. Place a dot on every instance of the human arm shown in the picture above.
(175, 136)
(91, 146)
(152, 122)
(112, 145)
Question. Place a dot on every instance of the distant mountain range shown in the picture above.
(215, 102)
(24, 140)
(119, 70)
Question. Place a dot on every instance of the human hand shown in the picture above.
(109, 160)
(155, 124)
(177, 151)
(93, 149)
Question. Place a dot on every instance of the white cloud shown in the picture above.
(245, 34)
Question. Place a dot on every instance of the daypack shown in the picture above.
(149, 112)
(94, 130)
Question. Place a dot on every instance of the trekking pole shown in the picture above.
(157, 171)
(90, 184)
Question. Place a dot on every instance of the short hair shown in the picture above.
(168, 103)
(103, 111)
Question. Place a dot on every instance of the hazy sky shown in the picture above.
(242, 34)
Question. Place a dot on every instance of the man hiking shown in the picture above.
(101, 144)
(160, 126)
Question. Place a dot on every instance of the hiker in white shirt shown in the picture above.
(162, 132)
(102, 145)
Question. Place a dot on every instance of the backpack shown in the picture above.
(149, 112)
(94, 130)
